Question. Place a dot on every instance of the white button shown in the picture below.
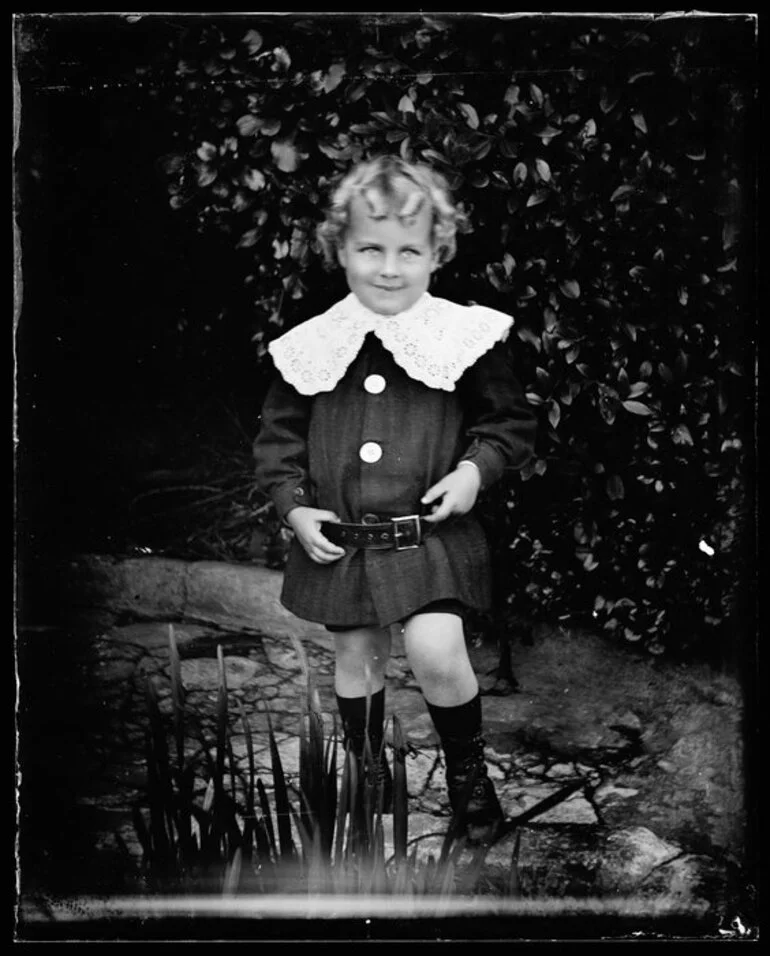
(374, 384)
(370, 452)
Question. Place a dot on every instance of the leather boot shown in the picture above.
(483, 817)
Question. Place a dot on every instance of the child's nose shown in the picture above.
(390, 264)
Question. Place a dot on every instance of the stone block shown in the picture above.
(630, 856)
(233, 595)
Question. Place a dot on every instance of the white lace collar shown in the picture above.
(434, 342)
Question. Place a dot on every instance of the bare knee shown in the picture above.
(436, 650)
(361, 656)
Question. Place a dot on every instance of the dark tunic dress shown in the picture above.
(310, 451)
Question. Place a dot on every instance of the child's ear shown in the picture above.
(342, 256)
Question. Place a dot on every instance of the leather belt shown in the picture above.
(400, 533)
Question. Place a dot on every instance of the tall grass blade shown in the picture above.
(249, 832)
(447, 882)
(177, 696)
(513, 888)
(221, 746)
(282, 806)
(400, 795)
(232, 876)
(343, 808)
(267, 818)
(328, 807)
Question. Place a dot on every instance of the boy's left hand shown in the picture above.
(458, 492)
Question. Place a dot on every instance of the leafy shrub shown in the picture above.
(603, 165)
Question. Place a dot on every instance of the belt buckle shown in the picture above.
(413, 534)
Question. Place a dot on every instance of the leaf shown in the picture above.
(637, 408)
(254, 179)
(589, 129)
(640, 75)
(206, 176)
(512, 94)
(248, 239)
(621, 192)
(519, 172)
(334, 77)
(548, 133)
(285, 155)
(405, 104)
(608, 100)
(536, 93)
(270, 126)
(480, 151)
(282, 60)
(206, 151)
(543, 169)
(253, 40)
(554, 414)
(638, 388)
(508, 149)
(570, 288)
(470, 114)
(639, 122)
(681, 435)
(424, 78)
(248, 125)
(615, 488)
(544, 380)
(537, 197)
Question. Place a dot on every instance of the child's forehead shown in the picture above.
(411, 211)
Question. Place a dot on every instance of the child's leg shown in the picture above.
(437, 653)
(355, 651)
(361, 656)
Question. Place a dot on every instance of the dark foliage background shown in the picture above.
(170, 175)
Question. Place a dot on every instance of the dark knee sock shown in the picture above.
(459, 722)
(353, 713)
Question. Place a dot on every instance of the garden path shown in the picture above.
(655, 750)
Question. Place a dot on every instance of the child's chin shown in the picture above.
(387, 304)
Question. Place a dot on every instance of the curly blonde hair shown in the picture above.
(383, 181)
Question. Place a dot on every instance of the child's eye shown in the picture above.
(411, 253)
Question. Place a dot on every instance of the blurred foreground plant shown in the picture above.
(235, 841)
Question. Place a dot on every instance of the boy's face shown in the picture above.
(387, 261)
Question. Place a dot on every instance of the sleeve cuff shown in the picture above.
(489, 463)
(290, 497)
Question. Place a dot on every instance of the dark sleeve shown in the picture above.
(500, 423)
(280, 449)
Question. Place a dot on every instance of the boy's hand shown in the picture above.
(306, 524)
(458, 492)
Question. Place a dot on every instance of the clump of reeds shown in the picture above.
(235, 840)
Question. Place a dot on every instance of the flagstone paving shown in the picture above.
(657, 799)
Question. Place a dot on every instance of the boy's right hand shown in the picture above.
(306, 524)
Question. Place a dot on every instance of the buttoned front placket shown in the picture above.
(373, 444)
